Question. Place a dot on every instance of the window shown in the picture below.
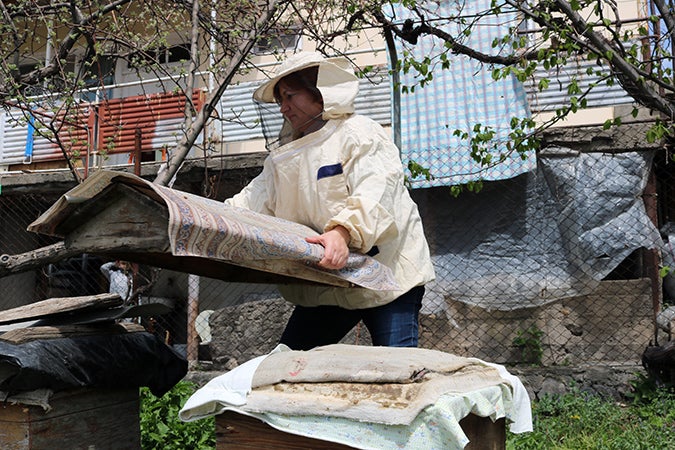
(164, 55)
(100, 71)
(278, 40)
(51, 84)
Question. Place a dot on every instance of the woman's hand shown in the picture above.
(336, 247)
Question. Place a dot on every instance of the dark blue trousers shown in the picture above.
(394, 324)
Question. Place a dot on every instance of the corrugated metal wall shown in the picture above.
(13, 137)
(110, 125)
(159, 117)
(72, 126)
(556, 96)
(239, 114)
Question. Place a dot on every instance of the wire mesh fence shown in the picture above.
(554, 267)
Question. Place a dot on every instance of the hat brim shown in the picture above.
(265, 93)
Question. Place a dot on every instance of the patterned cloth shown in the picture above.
(458, 98)
(206, 228)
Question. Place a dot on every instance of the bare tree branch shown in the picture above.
(23, 262)
(68, 43)
(668, 15)
(176, 158)
(411, 33)
(634, 82)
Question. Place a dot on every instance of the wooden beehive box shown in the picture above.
(239, 431)
(78, 419)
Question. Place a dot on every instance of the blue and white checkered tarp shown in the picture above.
(458, 98)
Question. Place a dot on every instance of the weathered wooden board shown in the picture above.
(23, 335)
(121, 219)
(78, 419)
(107, 315)
(59, 306)
(239, 431)
(211, 268)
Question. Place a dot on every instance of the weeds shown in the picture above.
(529, 343)
(582, 421)
(161, 428)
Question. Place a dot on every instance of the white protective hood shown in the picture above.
(336, 81)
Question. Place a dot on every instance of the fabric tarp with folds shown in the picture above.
(206, 228)
(367, 397)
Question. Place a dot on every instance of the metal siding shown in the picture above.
(160, 117)
(374, 99)
(239, 113)
(73, 134)
(13, 138)
(555, 95)
(15, 135)
(169, 132)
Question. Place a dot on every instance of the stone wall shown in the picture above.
(592, 343)
(242, 332)
(612, 324)
(605, 380)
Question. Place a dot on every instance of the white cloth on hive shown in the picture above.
(384, 396)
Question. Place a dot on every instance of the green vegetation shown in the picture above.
(529, 343)
(569, 422)
(580, 421)
(161, 428)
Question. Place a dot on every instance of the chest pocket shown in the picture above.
(332, 188)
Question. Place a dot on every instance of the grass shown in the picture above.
(580, 421)
(572, 421)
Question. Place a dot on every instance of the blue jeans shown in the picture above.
(394, 324)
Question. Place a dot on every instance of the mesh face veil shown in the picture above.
(277, 129)
(332, 79)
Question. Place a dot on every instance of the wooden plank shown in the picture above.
(213, 268)
(483, 433)
(120, 218)
(23, 335)
(52, 306)
(78, 419)
(107, 315)
(239, 431)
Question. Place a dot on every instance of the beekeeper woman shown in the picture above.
(340, 174)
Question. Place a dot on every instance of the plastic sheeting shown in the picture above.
(549, 234)
(458, 97)
(101, 361)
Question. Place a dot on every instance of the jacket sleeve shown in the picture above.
(374, 177)
(256, 195)
(107, 268)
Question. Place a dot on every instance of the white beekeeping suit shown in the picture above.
(347, 173)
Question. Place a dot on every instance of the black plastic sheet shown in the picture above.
(100, 361)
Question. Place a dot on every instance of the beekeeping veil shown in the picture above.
(336, 82)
